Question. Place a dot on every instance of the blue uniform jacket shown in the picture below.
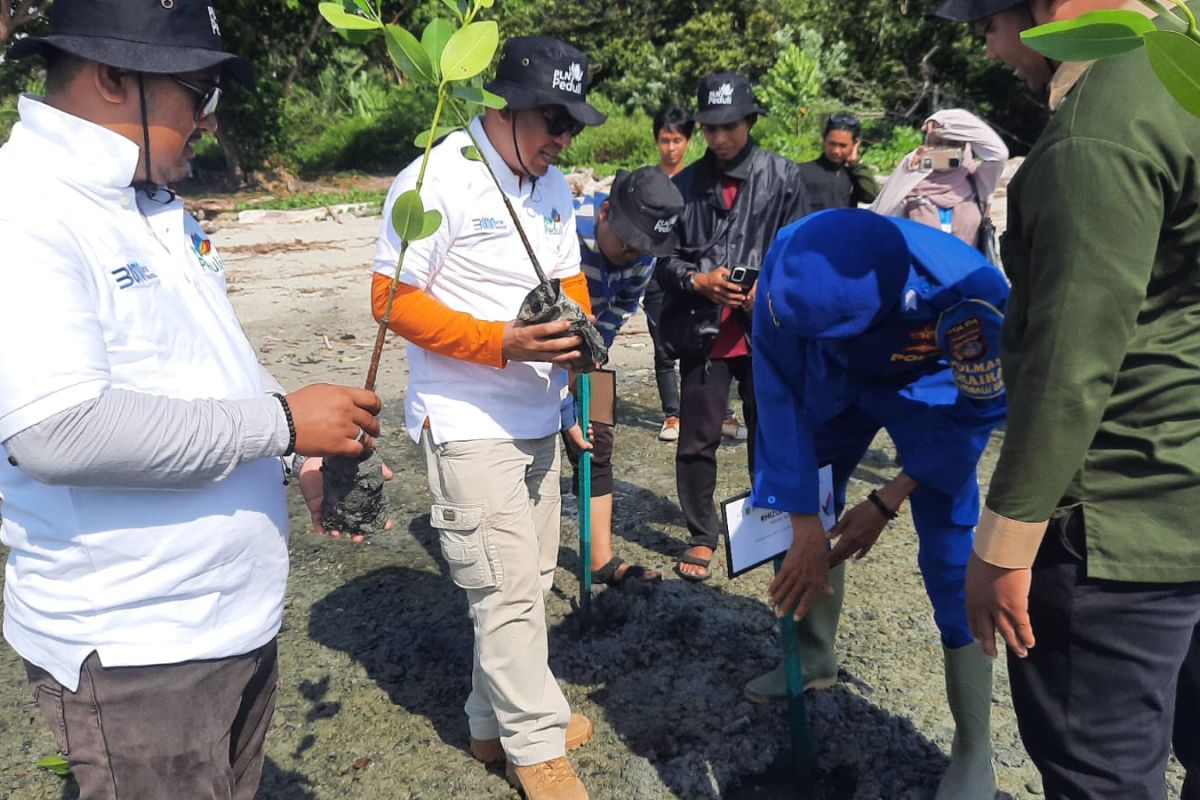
(928, 371)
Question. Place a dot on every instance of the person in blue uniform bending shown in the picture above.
(865, 322)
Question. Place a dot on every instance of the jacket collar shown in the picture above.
(740, 166)
(73, 148)
(1066, 78)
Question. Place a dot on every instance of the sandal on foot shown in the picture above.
(696, 561)
(608, 574)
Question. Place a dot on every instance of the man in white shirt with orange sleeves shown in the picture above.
(484, 393)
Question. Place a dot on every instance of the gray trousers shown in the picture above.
(193, 730)
(496, 507)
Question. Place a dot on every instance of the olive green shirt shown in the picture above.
(1102, 333)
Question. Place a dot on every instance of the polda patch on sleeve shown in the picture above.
(969, 336)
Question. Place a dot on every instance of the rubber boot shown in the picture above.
(969, 692)
(815, 636)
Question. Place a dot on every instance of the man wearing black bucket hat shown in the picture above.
(736, 198)
(620, 236)
(484, 392)
(141, 475)
(1086, 560)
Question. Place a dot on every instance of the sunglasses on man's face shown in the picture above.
(206, 99)
(560, 122)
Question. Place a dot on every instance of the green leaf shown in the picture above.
(365, 6)
(337, 16)
(408, 215)
(470, 50)
(1096, 34)
(456, 7)
(471, 153)
(434, 38)
(408, 54)
(1176, 61)
(422, 138)
(473, 94)
(56, 764)
(358, 37)
(430, 224)
(487, 3)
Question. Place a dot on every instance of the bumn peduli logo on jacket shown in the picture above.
(722, 95)
(569, 79)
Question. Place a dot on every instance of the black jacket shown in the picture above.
(771, 196)
(831, 185)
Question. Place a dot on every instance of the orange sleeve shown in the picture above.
(576, 288)
(428, 323)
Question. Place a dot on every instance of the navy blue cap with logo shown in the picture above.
(643, 206)
(724, 98)
(972, 10)
(541, 71)
(156, 37)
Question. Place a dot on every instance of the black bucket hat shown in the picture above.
(971, 10)
(538, 71)
(725, 97)
(642, 208)
(158, 37)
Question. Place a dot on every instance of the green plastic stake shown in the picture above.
(584, 386)
(802, 757)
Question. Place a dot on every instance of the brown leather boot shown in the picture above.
(579, 733)
(547, 780)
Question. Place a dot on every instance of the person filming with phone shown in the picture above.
(948, 181)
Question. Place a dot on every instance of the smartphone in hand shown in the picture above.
(743, 276)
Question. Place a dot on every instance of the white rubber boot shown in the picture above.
(969, 692)
(815, 635)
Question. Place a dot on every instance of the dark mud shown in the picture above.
(376, 645)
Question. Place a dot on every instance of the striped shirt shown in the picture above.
(616, 291)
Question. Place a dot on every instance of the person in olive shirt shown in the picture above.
(1087, 556)
(838, 178)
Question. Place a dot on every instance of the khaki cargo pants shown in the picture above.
(496, 507)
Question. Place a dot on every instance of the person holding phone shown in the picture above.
(865, 322)
(736, 198)
(948, 181)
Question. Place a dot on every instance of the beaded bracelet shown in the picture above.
(291, 423)
(877, 501)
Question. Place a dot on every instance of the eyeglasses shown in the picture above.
(206, 99)
(845, 119)
(560, 122)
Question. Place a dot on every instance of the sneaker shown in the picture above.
(547, 780)
(732, 429)
(670, 430)
(579, 733)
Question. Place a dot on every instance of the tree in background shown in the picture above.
(18, 15)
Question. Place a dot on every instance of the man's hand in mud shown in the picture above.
(717, 287)
(334, 420)
(804, 576)
(312, 486)
(542, 342)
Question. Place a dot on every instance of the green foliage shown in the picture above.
(794, 93)
(56, 764)
(373, 199)
(1175, 59)
(1097, 34)
(379, 141)
(624, 141)
(8, 117)
(885, 146)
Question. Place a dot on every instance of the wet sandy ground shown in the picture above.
(376, 643)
